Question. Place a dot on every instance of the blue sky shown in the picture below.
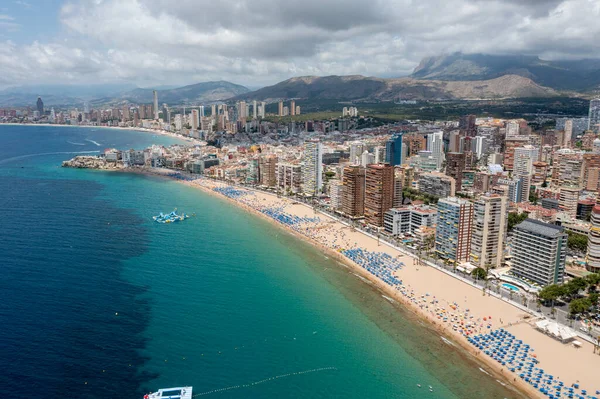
(260, 42)
(33, 20)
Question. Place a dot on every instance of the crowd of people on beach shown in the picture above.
(513, 355)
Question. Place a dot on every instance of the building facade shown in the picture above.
(539, 252)
(489, 231)
(454, 229)
(379, 192)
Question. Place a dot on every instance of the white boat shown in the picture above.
(171, 393)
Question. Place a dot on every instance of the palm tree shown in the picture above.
(553, 311)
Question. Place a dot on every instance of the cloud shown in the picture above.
(7, 23)
(263, 41)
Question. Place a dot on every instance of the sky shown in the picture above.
(261, 42)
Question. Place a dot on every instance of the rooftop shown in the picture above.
(537, 227)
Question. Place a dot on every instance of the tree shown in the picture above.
(551, 292)
(479, 273)
(578, 306)
(577, 242)
(515, 218)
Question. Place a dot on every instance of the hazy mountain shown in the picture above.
(56, 95)
(364, 88)
(580, 75)
(192, 94)
(98, 95)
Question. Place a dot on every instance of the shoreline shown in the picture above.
(449, 336)
(130, 129)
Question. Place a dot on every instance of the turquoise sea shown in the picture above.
(98, 301)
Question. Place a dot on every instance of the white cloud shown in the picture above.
(264, 41)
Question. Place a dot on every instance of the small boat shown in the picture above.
(171, 393)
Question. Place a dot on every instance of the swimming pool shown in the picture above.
(510, 287)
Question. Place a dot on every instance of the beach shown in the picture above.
(455, 309)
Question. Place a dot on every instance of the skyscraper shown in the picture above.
(454, 229)
(435, 145)
(292, 107)
(593, 249)
(393, 150)
(455, 165)
(353, 191)
(194, 119)
(155, 94)
(379, 192)
(263, 107)
(539, 251)
(312, 179)
(489, 231)
(40, 106)
(280, 113)
(568, 133)
(594, 115)
(467, 126)
(254, 110)
(166, 114)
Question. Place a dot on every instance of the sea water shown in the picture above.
(99, 301)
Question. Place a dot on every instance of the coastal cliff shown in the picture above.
(92, 162)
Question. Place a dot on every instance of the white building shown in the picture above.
(539, 252)
(489, 231)
(312, 178)
(594, 115)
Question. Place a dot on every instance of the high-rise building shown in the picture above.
(155, 95)
(267, 167)
(194, 119)
(289, 178)
(594, 115)
(489, 231)
(379, 192)
(201, 111)
(40, 106)
(593, 249)
(166, 114)
(435, 145)
(292, 107)
(509, 152)
(312, 167)
(336, 188)
(512, 129)
(568, 133)
(455, 165)
(567, 200)
(467, 126)
(254, 110)
(539, 251)
(356, 150)
(280, 113)
(454, 229)
(353, 191)
(241, 110)
(263, 107)
(438, 184)
(523, 160)
(393, 150)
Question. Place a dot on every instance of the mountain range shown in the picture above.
(445, 77)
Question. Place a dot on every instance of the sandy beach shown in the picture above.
(458, 311)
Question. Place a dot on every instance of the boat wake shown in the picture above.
(3, 161)
(483, 371)
(70, 142)
(265, 380)
(389, 299)
(447, 341)
(94, 142)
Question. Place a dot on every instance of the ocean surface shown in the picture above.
(98, 301)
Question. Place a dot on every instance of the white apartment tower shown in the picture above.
(155, 94)
(312, 178)
(489, 231)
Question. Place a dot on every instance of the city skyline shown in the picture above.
(260, 44)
